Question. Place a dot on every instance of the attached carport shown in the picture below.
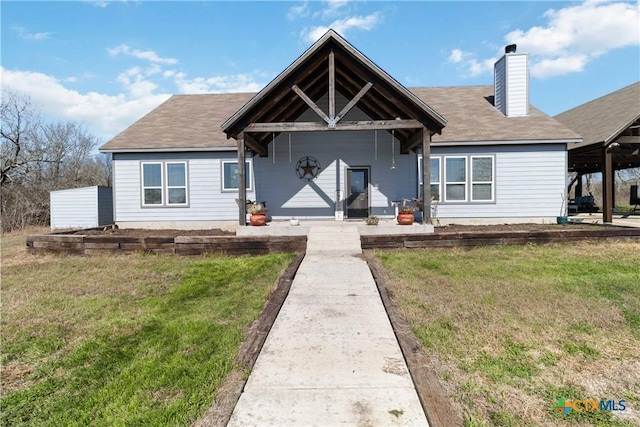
(610, 129)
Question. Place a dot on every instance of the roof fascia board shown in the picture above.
(393, 82)
(331, 34)
(231, 121)
(167, 150)
(622, 129)
(511, 142)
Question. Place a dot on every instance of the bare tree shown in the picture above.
(39, 157)
(19, 123)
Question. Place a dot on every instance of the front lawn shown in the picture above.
(511, 330)
(126, 339)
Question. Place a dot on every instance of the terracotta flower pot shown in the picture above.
(258, 219)
(405, 218)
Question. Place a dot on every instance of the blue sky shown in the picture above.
(107, 63)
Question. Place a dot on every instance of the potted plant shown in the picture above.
(563, 218)
(258, 214)
(372, 220)
(405, 215)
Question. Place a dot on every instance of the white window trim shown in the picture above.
(185, 186)
(492, 182)
(439, 159)
(232, 190)
(143, 188)
(465, 182)
(164, 187)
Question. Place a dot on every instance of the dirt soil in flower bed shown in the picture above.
(458, 228)
(453, 228)
(141, 232)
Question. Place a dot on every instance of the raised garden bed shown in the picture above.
(197, 242)
(162, 241)
(471, 236)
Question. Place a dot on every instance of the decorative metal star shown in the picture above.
(308, 168)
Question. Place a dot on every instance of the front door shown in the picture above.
(357, 193)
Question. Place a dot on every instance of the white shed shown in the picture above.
(85, 207)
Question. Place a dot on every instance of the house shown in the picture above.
(335, 137)
(610, 128)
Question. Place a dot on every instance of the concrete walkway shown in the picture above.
(331, 357)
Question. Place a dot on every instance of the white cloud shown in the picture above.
(571, 37)
(298, 11)
(104, 115)
(342, 26)
(456, 56)
(26, 35)
(107, 115)
(147, 55)
(247, 82)
(470, 63)
(559, 66)
(333, 8)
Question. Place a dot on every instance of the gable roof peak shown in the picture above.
(357, 70)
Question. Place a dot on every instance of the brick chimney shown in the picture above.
(511, 83)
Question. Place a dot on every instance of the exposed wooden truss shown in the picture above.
(329, 68)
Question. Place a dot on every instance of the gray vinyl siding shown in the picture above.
(287, 196)
(500, 86)
(511, 84)
(85, 207)
(529, 180)
(207, 201)
(517, 85)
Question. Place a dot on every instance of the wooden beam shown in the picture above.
(607, 187)
(411, 143)
(254, 145)
(350, 125)
(354, 101)
(628, 139)
(426, 175)
(310, 103)
(242, 189)
(332, 86)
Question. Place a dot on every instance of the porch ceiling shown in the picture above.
(625, 156)
(384, 100)
(625, 152)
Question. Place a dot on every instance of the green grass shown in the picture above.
(513, 328)
(124, 340)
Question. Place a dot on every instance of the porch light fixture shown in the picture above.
(393, 149)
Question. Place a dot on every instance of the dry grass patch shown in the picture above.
(512, 329)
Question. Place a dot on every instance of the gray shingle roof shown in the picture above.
(602, 119)
(183, 122)
(472, 118)
(192, 122)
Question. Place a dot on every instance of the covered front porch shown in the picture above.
(334, 136)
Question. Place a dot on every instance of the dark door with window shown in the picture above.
(357, 193)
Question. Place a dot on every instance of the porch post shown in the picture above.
(607, 187)
(242, 189)
(426, 176)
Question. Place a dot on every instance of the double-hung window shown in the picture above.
(481, 178)
(455, 183)
(164, 184)
(434, 172)
(466, 178)
(231, 177)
